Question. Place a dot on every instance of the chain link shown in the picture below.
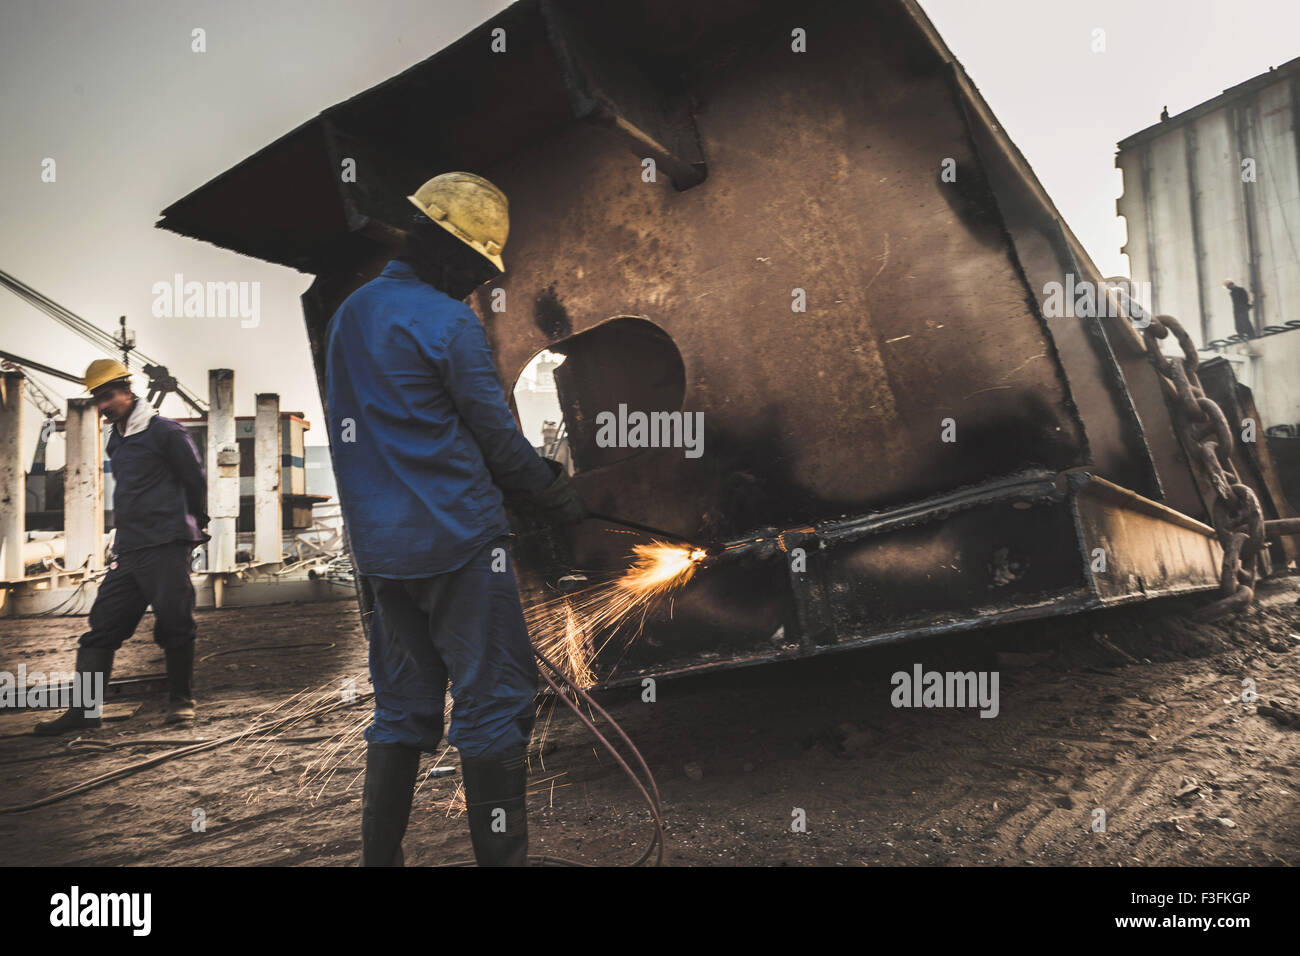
(1236, 514)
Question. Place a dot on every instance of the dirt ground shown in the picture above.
(1137, 712)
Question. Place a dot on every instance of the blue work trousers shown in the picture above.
(466, 628)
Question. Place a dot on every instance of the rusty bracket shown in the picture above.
(608, 87)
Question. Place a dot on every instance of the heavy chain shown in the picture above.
(1236, 514)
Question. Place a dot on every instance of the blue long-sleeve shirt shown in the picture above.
(422, 438)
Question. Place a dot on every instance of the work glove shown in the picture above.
(559, 502)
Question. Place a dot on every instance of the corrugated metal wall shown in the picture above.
(1194, 222)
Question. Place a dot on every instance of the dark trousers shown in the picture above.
(465, 628)
(157, 576)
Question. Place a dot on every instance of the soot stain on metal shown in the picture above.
(550, 315)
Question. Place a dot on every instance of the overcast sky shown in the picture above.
(134, 120)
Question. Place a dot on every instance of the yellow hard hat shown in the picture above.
(102, 371)
(471, 209)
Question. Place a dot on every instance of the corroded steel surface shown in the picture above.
(911, 419)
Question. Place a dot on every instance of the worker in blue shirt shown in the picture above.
(160, 498)
(425, 452)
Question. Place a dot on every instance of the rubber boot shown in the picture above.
(180, 680)
(391, 770)
(497, 807)
(90, 662)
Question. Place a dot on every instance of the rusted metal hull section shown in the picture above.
(1023, 548)
(905, 428)
(1133, 548)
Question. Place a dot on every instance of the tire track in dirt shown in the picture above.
(879, 785)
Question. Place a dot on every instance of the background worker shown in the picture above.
(159, 508)
(1241, 306)
(424, 445)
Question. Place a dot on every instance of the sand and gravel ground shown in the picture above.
(1135, 712)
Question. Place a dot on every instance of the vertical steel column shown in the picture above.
(1148, 219)
(83, 507)
(1198, 245)
(1243, 121)
(223, 470)
(267, 518)
(13, 490)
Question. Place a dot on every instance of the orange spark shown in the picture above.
(659, 567)
(568, 628)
